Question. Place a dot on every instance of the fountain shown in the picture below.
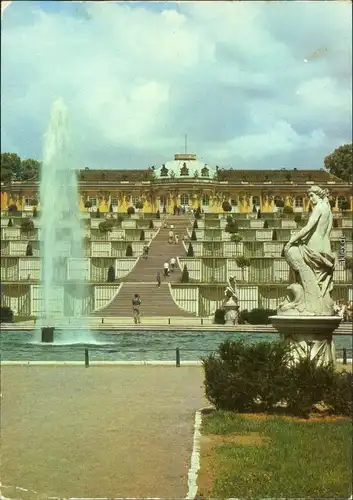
(306, 320)
(61, 234)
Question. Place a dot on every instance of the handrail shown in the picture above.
(178, 353)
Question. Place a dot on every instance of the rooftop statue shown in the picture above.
(309, 254)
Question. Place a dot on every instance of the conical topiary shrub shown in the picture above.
(185, 275)
(259, 214)
(193, 235)
(35, 213)
(10, 223)
(266, 224)
(195, 226)
(111, 274)
(158, 214)
(29, 250)
(274, 235)
(151, 226)
(190, 252)
(98, 214)
(142, 235)
(129, 252)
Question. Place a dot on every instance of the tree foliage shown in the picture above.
(15, 169)
(340, 162)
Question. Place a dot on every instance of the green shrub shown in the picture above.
(236, 237)
(274, 235)
(106, 226)
(233, 384)
(142, 235)
(242, 261)
(158, 214)
(98, 214)
(219, 317)
(131, 211)
(259, 215)
(197, 213)
(29, 250)
(111, 275)
(298, 218)
(10, 223)
(151, 225)
(226, 206)
(231, 227)
(243, 377)
(129, 252)
(195, 225)
(27, 225)
(266, 224)
(288, 210)
(111, 208)
(185, 275)
(139, 205)
(190, 252)
(88, 204)
(6, 314)
(257, 316)
(193, 235)
(12, 208)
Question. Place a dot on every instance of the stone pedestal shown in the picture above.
(308, 335)
(231, 312)
(47, 334)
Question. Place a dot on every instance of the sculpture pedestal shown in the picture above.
(309, 335)
(231, 312)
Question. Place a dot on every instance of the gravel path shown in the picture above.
(98, 432)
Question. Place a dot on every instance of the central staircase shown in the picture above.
(142, 278)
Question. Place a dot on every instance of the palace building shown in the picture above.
(189, 183)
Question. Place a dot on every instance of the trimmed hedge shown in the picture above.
(6, 314)
(257, 377)
(257, 316)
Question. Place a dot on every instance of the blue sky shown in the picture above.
(253, 84)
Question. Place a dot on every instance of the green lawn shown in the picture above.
(258, 456)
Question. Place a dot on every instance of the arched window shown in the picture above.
(205, 200)
(299, 202)
(184, 199)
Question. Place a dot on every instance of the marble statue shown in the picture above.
(230, 303)
(309, 254)
(306, 318)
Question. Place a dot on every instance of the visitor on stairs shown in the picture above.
(136, 302)
(166, 269)
(176, 238)
(171, 236)
(158, 277)
(172, 264)
(145, 251)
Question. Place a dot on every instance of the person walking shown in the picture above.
(158, 278)
(166, 269)
(145, 251)
(171, 236)
(176, 239)
(136, 303)
(172, 264)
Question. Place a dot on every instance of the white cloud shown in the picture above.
(137, 77)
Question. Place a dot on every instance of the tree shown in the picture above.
(10, 223)
(236, 237)
(88, 204)
(10, 166)
(343, 204)
(139, 205)
(340, 162)
(131, 211)
(185, 275)
(190, 252)
(27, 225)
(259, 214)
(242, 262)
(226, 206)
(195, 226)
(142, 235)
(266, 224)
(29, 250)
(274, 235)
(193, 235)
(106, 226)
(111, 274)
(30, 170)
(151, 226)
(129, 251)
(98, 214)
(158, 214)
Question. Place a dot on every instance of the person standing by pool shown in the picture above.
(136, 302)
(158, 278)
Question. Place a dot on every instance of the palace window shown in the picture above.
(234, 202)
(299, 202)
(205, 172)
(135, 200)
(164, 171)
(114, 201)
(93, 201)
(256, 200)
(184, 199)
(184, 170)
(30, 202)
(342, 199)
(205, 200)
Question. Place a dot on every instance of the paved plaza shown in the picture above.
(98, 431)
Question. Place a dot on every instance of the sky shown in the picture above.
(254, 85)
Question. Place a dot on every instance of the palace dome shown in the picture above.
(185, 166)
